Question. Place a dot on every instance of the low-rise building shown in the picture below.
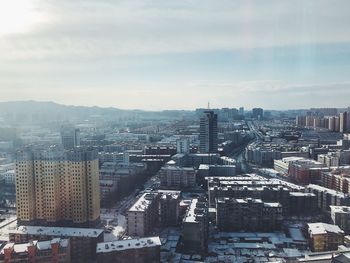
(174, 177)
(248, 215)
(55, 250)
(82, 240)
(142, 250)
(325, 237)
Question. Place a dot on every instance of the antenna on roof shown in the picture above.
(208, 105)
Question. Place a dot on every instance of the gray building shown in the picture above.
(208, 129)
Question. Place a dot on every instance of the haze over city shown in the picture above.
(176, 54)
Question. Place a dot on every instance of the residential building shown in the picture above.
(175, 177)
(82, 240)
(54, 187)
(208, 130)
(70, 137)
(143, 215)
(325, 237)
(169, 205)
(141, 250)
(55, 250)
(247, 215)
(341, 217)
(327, 197)
(195, 227)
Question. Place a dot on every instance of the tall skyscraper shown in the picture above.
(70, 137)
(208, 136)
(57, 188)
(343, 118)
(258, 113)
(241, 111)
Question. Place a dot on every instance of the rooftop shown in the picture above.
(323, 228)
(120, 245)
(40, 245)
(57, 231)
(143, 202)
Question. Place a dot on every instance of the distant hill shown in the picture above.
(38, 112)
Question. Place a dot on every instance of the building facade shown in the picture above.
(55, 250)
(208, 132)
(58, 188)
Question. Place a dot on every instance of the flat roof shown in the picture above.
(57, 231)
(323, 228)
(143, 202)
(119, 245)
(40, 245)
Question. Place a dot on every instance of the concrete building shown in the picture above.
(142, 216)
(58, 188)
(341, 217)
(55, 250)
(330, 159)
(325, 237)
(183, 145)
(208, 130)
(343, 118)
(70, 137)
(195, 227)
(169, 205)
(282, 166)
(142, 250)
(302, 204)
(305, 171)
(338, 180)
(257, 113)
(118, 179)
(82, 240)
(174, 177)
(250, 186)
(327, 197)
(247, 215)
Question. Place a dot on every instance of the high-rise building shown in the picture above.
(70, 137)
(57, 188)
(343, 118)
(208, 132)
(183, 145)
(241, 111)
(258, 113)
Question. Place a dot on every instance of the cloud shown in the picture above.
(112, 28)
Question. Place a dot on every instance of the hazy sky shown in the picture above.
(176, 54)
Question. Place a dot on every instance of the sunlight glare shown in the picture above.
(17, 16)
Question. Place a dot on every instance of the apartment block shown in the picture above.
(195, 227)
(169, 204)
(55, 187)
(141, 250)
(55, 250)
(82, 240)
(142, 216)
(248, 215)
(341, 217)
(174, 177)
(325, 237)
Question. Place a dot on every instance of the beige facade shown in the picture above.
(63, 187)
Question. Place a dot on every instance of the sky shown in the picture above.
(166, 54)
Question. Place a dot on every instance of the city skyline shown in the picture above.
(165, 55)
